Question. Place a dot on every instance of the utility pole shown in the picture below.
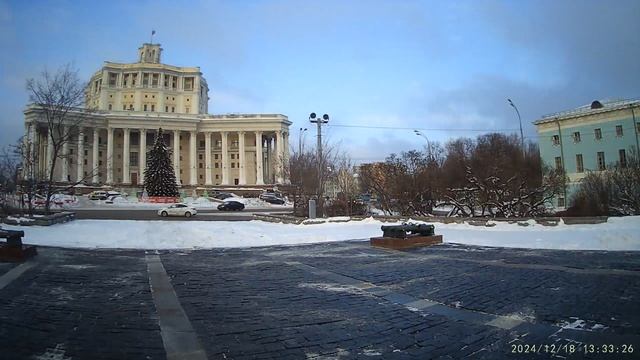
(319, 122)
(520, 119)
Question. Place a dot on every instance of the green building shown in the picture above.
(589, 138)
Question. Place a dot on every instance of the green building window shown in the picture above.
(579, 163)
(619, 132)
(555, 139)
(558, 163)
(601, 162)
(576, 136)
(623, 158)
(598, 134)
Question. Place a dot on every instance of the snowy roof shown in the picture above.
(593, 108)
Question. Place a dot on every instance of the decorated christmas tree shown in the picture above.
(159, 177)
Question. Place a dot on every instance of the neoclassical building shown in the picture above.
(130, 102)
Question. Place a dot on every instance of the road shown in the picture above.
(152, 214)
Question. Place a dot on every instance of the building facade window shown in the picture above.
(619, 132)
(199, 156)
(622, 154)
(558, 163)
(201, 144)
(133, 158)
(579, 163)
(145, 107)
(560, 202)
(555, 139)
(153, 107)
(200, 165)
(576, 136)
(598, 134)
(233, 165)
(601, 162)
(216, 165)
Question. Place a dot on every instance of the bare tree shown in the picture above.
(9, 167)
(615, 191)
(303, 171)
(59, 99)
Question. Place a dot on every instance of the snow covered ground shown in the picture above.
(616, 234)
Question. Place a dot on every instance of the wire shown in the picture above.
(415, 128)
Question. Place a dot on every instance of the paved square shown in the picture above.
(323, 301)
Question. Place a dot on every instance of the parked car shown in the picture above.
(178, 210)
(98, 195)
(116, 193)
(222, 196)
(271, 194)
(273, 200)
(111, 198)
(231, 206)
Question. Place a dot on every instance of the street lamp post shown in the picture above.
(300, 140)
(520, 120)
(428, 143)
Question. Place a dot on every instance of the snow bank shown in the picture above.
(616, 234)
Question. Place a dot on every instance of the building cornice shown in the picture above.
(582, 112)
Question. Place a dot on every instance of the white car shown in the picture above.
(178, 210)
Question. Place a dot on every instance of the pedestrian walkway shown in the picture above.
(321, 301)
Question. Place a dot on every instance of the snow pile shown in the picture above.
(616, 234)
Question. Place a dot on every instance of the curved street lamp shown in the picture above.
(300, 140)
(520, 120)
(417, 132)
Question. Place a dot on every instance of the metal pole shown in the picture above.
(564, 188)
(520, 120)
(319, 149)
(300, 143)
(635, 129)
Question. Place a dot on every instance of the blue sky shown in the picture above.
(402, 64)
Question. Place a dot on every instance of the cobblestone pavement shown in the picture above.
(330, 301)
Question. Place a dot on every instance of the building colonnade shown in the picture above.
(232, 156)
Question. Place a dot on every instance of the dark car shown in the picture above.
(273, 200)
(231, 206)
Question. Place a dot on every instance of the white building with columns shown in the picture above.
(130, 102)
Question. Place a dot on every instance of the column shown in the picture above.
(126, 173)
(28, 151)
(142, 153)
(207, 158)
(279, 158)
(193, 161)
(64, 174)
(259, 171)
(109, 155)
(96, 160)
(267, 142)
(225, 159)
(243, 174)
(80, 163)
(285, 145)
(176, 155)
